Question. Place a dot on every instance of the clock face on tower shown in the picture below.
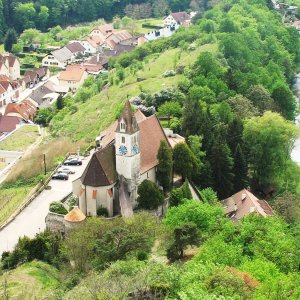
(135, 149)
(122, 150)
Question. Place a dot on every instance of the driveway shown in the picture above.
(32, 219)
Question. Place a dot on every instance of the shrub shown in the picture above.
(102, 211)
(58, 208)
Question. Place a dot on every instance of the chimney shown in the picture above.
(244, 196)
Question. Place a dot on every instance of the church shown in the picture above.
(126, 155)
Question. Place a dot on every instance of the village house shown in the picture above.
(126, 155)
(59, 58)
(92, 45)
(178, 18)
(9, 66)
(77, 50)
(243, 203)
(73, 77)
(9, 90)
(25, 110)
(8, 124)
(43, 96)
(101, 32)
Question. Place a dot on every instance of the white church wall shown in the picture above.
(150, 175)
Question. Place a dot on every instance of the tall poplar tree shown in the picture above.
(165, 166)
(222, 163)
(240, 169)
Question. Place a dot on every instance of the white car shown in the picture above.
(65, 170)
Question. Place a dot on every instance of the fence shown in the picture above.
(32, 195)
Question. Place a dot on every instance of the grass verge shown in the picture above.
(34, 280)
(21, 139)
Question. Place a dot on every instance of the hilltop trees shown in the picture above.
(269, 140)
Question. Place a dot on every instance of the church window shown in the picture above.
(123, 139)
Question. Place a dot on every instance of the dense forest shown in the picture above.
(43, 14)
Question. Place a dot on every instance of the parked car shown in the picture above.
(65, 170)
(60, 176)
(73, 162)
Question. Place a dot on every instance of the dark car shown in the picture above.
(60, 176)
(73, 162)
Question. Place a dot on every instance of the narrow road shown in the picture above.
(32, 219)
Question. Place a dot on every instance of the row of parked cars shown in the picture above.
(64, 172)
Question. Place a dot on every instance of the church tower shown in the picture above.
(127, 143)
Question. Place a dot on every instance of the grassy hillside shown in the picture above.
(21, 139)
(98, 112)
(35, 280)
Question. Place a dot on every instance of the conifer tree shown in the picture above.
(2, 20)
(10, 39)
(165, 166)
(240, 169)
(222, 167)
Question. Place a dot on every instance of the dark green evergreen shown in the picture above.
(10, 39)
(240, 169)
(165, 166)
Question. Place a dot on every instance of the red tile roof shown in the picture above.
(25, 109)
(8, 123)
(72, 73)
(243, 203)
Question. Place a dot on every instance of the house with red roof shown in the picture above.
(73, 77)
(9, 66)
(9, 90)
(179, 18)
(126, 155)
(24, 110)
(244, 203)
(8, 124)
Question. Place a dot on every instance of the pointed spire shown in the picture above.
(128, 117)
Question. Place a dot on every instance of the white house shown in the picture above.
(9, 66)
(179, 18)
(73, 77)
(9, 90)
(59, 58)
(126, 155)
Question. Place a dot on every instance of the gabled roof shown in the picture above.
(62, 54)
(98, 60)
(75, 47)
(151, 133)
(38, 94)
(75, 215)
(41, 71)
(72, 73)
(105, 28)
(31, 74)
(8, 57)
(101, 170)
(25, 109)
(8, 123)
(243, 203)
(94, 41)
(181, 17)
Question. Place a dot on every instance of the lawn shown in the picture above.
(34, 280)
(152, 21)
(1, 48)
(11, 198)
(101, 110)
(21, 139)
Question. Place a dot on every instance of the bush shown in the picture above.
(58, 208)
(102, 211)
